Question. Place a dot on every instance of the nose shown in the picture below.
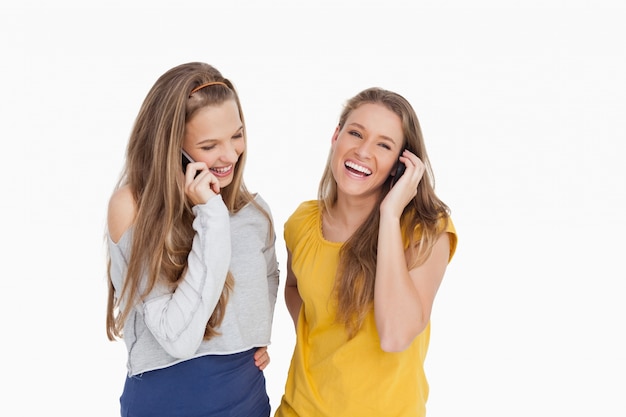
(231, 154)
(364, 150)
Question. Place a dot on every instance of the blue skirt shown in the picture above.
(211, 385)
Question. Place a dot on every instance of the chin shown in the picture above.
(225, 182)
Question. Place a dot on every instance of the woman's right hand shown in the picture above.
(201, 187)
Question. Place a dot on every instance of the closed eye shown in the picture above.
(238, 135)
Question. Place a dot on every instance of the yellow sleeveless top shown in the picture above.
(329, 375)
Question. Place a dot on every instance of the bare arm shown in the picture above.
(292, 296)
(403, 298)
(121, 213)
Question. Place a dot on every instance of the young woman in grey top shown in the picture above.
(192, 269)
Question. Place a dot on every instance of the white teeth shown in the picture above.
(358, 168)
(222, 169)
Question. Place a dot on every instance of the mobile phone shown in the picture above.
(400, 168)
(399, 171)
(186, 159)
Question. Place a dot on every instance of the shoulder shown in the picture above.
(446, 225)
(303, 220)
(259, 201)
(256, 210)
(121, 212)
(305, 211)
(308, 207)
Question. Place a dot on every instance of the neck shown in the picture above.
(345, 217)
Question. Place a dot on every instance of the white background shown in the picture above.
(522, 106)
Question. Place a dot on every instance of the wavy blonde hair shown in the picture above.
(426, 214)
(162, 230)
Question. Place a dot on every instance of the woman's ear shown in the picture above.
(335, 135)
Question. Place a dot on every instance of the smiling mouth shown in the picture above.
(222, 171)
(357, 169)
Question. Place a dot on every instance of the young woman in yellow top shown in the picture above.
(364, 263)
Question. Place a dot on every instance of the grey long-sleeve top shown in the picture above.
(168, 327)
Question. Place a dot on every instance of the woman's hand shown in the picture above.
(261, 358)
(406, 187)
(200, 183)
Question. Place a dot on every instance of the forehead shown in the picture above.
(376, 117)
(215, 121)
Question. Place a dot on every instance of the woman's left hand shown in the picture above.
(261, 358)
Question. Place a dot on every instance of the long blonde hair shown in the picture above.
(162, 233)
(425, 214)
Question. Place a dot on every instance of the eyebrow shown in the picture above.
(360, 126)
(206, 141)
